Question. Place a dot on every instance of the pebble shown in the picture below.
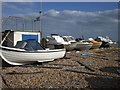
(30, 77)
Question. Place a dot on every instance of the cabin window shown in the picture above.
(26, 37)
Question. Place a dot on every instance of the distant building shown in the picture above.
(15, 36)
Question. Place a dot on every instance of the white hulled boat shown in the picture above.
(83, 45)
(29, 51)
(55, 40)
(80, 45)
(95, 43)
(68, 42)
(71, 41)
(106, 41)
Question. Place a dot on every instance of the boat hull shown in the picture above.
(104, 44)
(70, 47)
(16, 57)
(96, 45)
(82, 46)
(112, 44)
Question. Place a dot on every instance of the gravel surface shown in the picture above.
(105, 62)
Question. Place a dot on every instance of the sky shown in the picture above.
(89, 19)
(61, 0)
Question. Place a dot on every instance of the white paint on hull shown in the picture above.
(20, 58)
(70, 46)
(83, 46)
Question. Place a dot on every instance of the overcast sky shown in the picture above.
(89, 19)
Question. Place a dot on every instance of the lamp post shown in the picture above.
(40, 20)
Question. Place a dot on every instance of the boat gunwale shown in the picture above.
(25, 51)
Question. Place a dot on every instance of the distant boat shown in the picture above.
(79, 45)
(68, 42)
(29, 51)
(106, 42)
(71, 41)
(55, 41)
(95, 43)
(83, 45)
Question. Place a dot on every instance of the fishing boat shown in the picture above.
(79, 44)
(95, 43)
(71, 41)
(106, 41)
(83, 45)
(29, 51)
(55, 41)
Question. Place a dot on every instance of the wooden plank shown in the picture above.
(93, 73)
(85, 66)
(58, 68)
(42, 67)
(72, 68)
(63, 64)
(82, 85)
(78, 61)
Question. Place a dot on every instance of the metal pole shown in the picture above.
(1, 25)
(35, 25)
(32, 25)
(23, 26)
(16, 23)
(41, 19)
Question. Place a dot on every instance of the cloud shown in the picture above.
(19, 0)
(78, 23)
(10, 6)
(15, 8)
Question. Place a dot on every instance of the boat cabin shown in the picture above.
(56, 39)
(69, 39)
(12, 37)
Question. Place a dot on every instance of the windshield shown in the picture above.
(72, 38)
(65, 39)
(69, 38)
